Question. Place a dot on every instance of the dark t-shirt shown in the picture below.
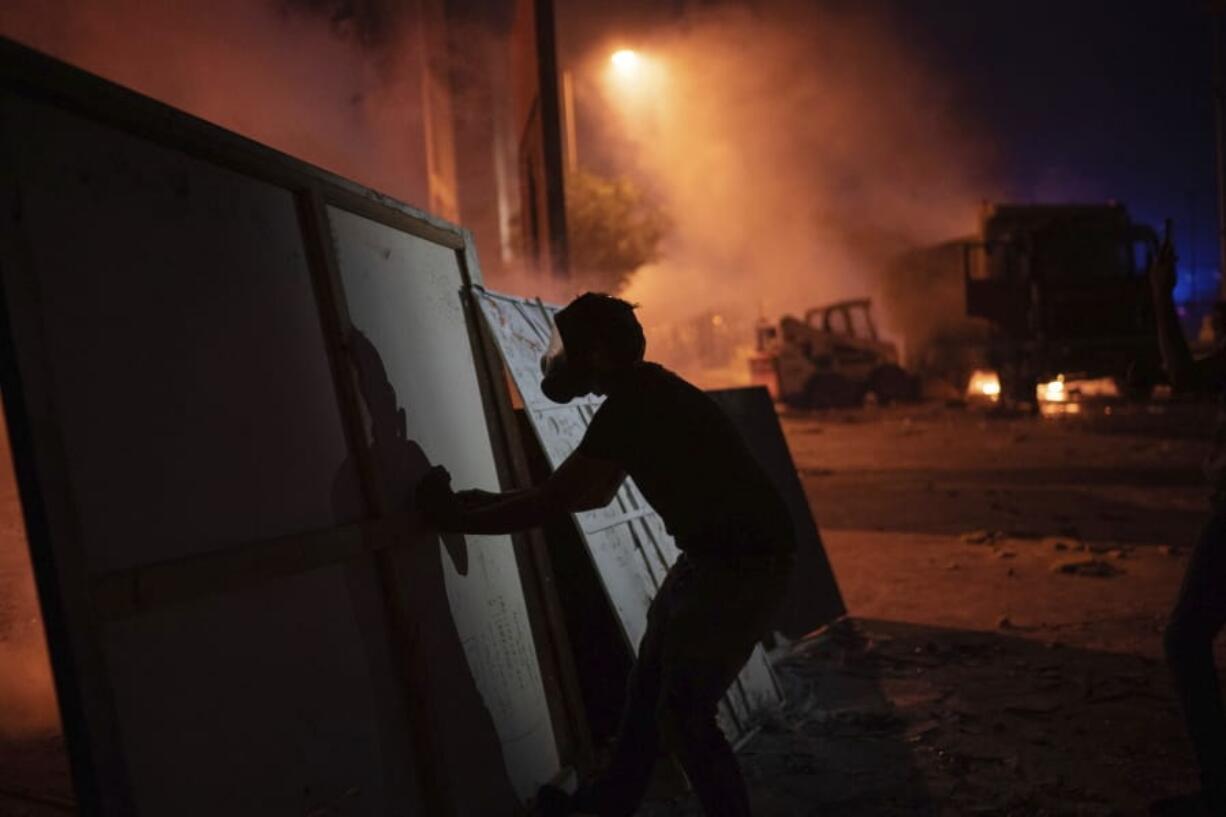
(691, 464)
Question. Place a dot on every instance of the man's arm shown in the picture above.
(580, 484)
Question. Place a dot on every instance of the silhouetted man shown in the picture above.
(730, 523)
(1200, 610)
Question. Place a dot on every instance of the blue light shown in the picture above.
(1202, 285)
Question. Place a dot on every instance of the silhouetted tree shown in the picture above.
(613, 230)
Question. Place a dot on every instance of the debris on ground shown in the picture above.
(1097, 568)
(982, 537)
(891, 719)
(1040, 695)
(1062, 543)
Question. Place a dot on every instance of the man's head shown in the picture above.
(597, 337)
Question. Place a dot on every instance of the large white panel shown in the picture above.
(403, 294)
(190, 377)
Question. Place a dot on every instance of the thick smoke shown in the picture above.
(797, 151)
(310, 78)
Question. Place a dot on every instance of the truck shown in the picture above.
(831, 357)
(1041, 292)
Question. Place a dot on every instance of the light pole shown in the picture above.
(568, 115)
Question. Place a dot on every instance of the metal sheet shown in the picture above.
(626, 539)
(813, 599)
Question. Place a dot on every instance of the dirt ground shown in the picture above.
(1007, 581)
(34, 778)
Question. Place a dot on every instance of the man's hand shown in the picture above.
(437, 503)
(475, 498)
(1162, 270)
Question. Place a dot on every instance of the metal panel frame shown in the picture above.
(76, 604)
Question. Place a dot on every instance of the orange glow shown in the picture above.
(1066, 389)
(28, 705)
(789, 180)
(286, 78)
(1060, 409)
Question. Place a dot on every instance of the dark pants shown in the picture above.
(1199, 615)
(701, 629)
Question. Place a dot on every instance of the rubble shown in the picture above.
(1063, 543)
(1097, 568)
(982, 537)
(1042, 695)
(894, 719)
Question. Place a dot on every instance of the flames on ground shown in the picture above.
(1063, 394)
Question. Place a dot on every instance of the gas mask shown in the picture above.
(563, 380)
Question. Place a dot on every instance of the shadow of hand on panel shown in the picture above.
(462, 731)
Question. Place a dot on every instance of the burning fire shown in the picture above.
(1063, 392)
(1066, 389)
(984, 383)
(1053, 391)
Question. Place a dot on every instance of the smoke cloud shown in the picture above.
(302, 76)
(796, 151)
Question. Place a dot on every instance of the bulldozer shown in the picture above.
(832, 357)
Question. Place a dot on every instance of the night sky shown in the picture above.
(1091, 100)
(1085, 100)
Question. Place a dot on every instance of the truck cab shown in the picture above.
(1064, 288)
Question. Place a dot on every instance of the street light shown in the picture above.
(629, 71)
(636, 83)
(625, 62)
